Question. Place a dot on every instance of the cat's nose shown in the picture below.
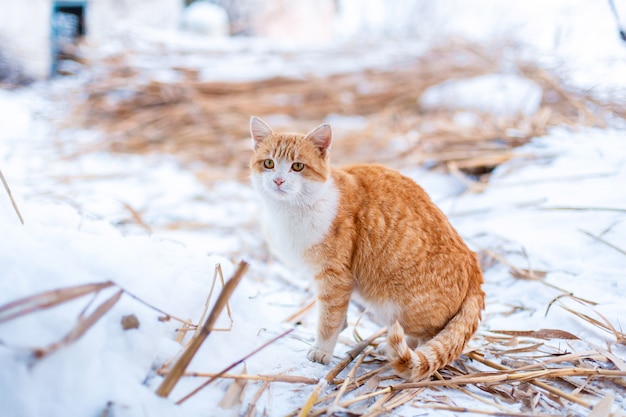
(278, 181)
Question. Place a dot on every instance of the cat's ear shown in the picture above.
(321, 136)
(259, 130)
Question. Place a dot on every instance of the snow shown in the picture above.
(509, 95)
(525, 208)
(539, 208)
(206, 18)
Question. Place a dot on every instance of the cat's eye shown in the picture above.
(268, 163)
(297, 166)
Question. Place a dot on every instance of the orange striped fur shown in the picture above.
(368, 230)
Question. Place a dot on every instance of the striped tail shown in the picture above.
(443, 348)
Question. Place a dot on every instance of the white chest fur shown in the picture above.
(294, 228)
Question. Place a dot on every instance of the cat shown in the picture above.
(369, 230)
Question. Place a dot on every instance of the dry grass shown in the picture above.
(208, 121)
(178, 369)
(511, 373)
(516, 373)
(8, 191)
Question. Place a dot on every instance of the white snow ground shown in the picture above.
(77, 230)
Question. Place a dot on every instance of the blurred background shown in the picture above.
(445, 83)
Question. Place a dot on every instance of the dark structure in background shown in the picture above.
(68, 26)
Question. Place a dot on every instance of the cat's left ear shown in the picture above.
(321, 136)
(259, 130)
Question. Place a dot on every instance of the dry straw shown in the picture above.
(8, 190)
(208, 121)
(178, 369)
(543, 380)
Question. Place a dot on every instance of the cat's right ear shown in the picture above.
(259, 130)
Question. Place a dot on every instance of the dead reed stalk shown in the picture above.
(177, 371)
(48, 299)
(8, 190)
(231, 366)
(83, 324)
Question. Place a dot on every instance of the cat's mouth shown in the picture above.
(280, 191)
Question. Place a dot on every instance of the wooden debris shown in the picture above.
(130, 321)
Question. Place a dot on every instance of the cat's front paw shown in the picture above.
(320, 356)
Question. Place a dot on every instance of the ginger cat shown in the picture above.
(368, 229)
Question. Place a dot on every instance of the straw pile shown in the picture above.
(208, 121)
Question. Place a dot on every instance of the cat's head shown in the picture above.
(290, 167)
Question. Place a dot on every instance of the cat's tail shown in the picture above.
(443, 348)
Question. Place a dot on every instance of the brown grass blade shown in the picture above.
(539, 384)
(606, 242)
(291, 379)
(177, 371)
(563, 208)
(602, 407)
(228, 368)
(83, 324)
(251, 411)
(494, 392)
(8, 190)
(166, 316)
(387, 392)
(350, 378)
(456, 409)
(216, 273)
(312, 400)
(567, 358)
(48, 299)
(182, 332)
(208, 299)
(307, 307)
(522, 273)
(392, 402)
(234, 394)
(604, 323)
(618, 362)
(351, 355)
(376, 408)
(545, 334)
(137, 217)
